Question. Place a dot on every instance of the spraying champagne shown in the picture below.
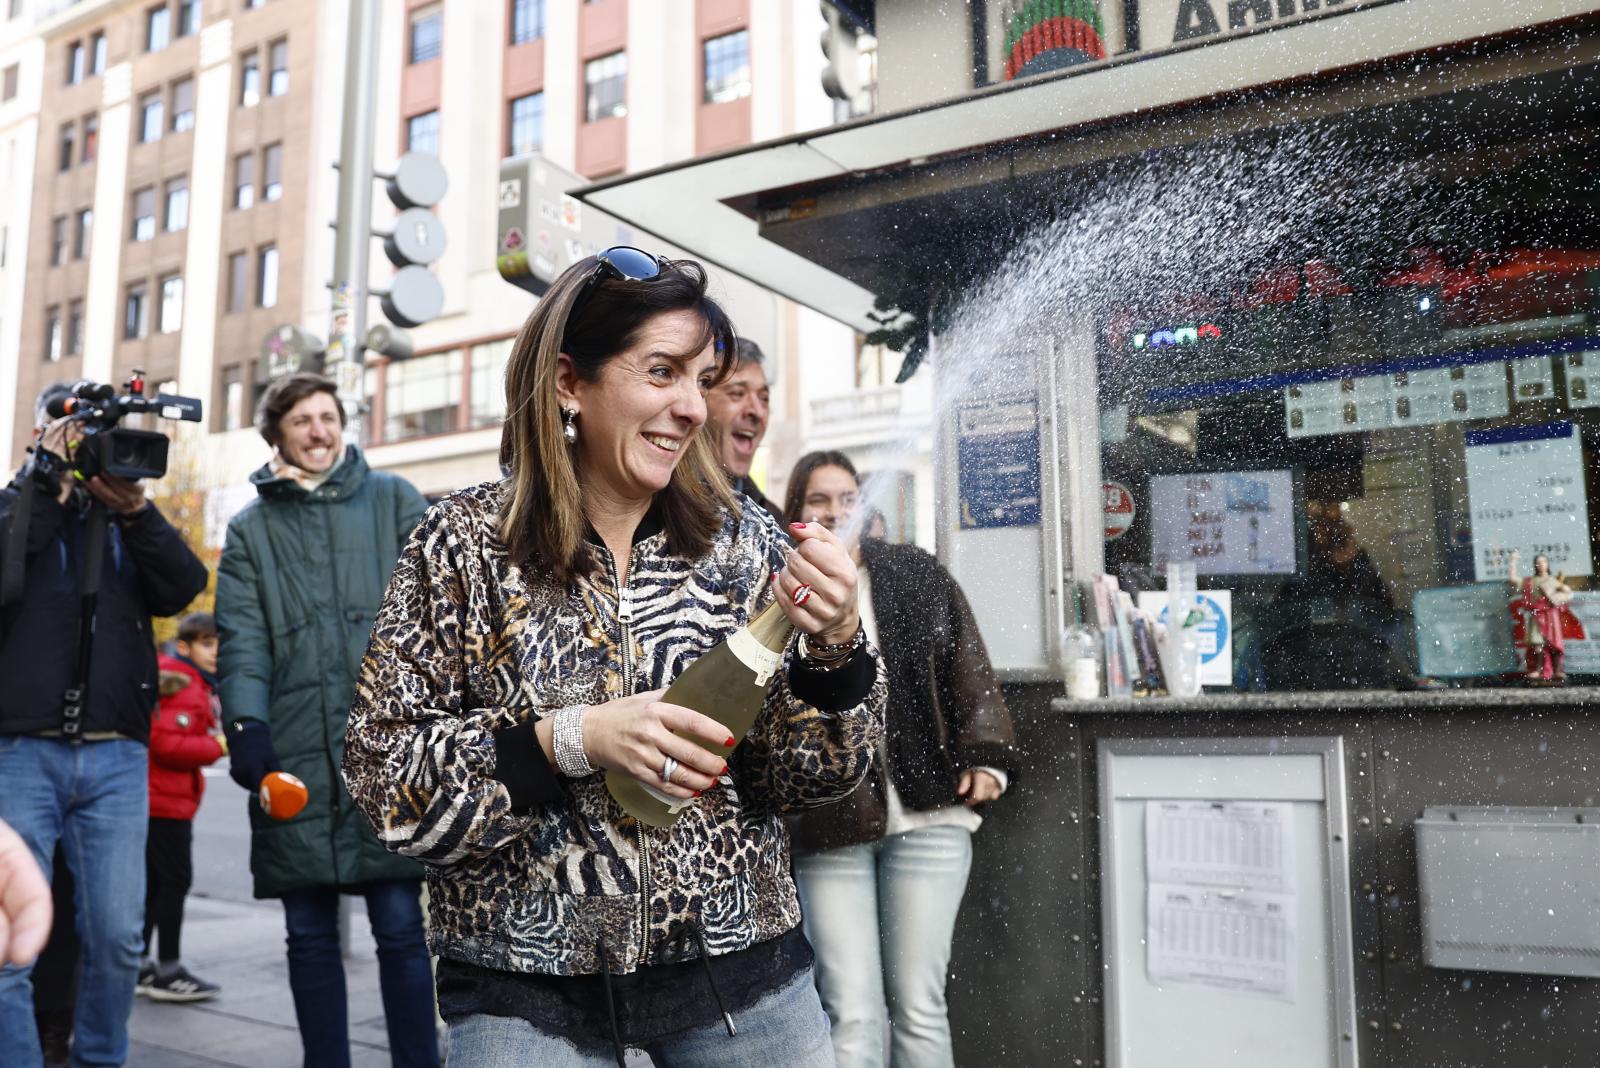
(729, 684)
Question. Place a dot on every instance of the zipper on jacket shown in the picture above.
(624, 617)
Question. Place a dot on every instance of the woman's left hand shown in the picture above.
(977, 786)
(821, 563)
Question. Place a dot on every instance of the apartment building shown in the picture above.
(181, 156)
(21, 57)
(167, 225)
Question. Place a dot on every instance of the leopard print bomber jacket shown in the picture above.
(466, 644)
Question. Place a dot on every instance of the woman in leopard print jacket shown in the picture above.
(521, 649)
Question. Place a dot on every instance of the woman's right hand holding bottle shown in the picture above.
(637, 734)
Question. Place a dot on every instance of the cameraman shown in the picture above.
(76, 770)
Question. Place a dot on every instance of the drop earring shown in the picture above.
(569, 425)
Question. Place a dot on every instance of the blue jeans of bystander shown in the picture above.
(881, 917)
(316, 973)
(92, 797)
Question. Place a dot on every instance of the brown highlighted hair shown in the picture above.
(284, 394)
(794, 498)
(542, 521)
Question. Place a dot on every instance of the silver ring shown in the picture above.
(667, 768)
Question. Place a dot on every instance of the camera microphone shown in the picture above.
(58, 406)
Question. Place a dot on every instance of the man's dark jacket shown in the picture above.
(147, 571)
(301, 579)
(946, 713)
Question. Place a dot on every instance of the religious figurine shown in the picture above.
(1540, 602)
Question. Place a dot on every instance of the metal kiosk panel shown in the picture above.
(1201, 1024)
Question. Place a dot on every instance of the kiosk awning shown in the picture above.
(811, 216)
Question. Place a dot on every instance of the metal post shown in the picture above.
(352, 245)
(353, 234)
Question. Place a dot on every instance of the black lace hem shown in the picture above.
(652, 1003)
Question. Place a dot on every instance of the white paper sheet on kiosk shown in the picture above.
(1220, 896)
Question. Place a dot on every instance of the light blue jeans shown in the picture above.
(881, 917)
(787, 1027)
(92, 797)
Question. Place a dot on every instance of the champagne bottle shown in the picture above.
(729, 684)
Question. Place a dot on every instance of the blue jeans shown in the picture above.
(881, 917)
(787, 1027)
(316, 973)
(92, 797)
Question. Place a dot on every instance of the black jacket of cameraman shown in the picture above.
(147, 571)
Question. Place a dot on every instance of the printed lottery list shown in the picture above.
(1220, 900)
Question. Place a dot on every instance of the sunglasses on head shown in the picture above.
(623, 263)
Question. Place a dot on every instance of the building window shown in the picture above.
(77, 63)
(97, 54)
(525, 132)
(136, 312)
(232, 397)
(422, 133)
(144, 213)
(91, 137)
(488, 401)
(252, 4)
(727, 60)
(267, 276)
(58, 241)
(82, 224)
(238, 280)
(278, 68)
(169, 317)
(183, 105)
(9, 92)
(605, 87)
(69, 144)
(75, 328)
(249, 80)
(152, 112)
(527, 20)
(244, 180)
(188, 17)
(15, 11)
(427, 34)
(421, 396)
(52, 333)
(272, 172)
(177, 203)
(157, 28)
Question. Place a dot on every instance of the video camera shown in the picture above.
(106, 448)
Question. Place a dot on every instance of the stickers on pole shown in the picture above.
(1119, 508)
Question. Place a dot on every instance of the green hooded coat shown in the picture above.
(301, 577)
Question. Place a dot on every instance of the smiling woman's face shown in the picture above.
(647, 404)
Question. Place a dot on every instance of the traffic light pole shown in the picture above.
(352, 245)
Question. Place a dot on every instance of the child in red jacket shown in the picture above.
(185, 736)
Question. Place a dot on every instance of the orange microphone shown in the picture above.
(283, 795)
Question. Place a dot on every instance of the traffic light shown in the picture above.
(414, 295)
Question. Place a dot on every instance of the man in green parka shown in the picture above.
(303, 572)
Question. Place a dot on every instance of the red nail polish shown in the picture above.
(697, 793)
(797, 526)
(724, 770)
(729, 742)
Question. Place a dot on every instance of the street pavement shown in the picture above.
(237, 942)
(234, 940)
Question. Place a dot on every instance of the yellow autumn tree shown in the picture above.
(182, 496)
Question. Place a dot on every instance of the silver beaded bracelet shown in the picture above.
(568, 741)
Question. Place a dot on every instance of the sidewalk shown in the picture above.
(251, 1024)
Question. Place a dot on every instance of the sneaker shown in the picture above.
(147, 975)
(181, 986)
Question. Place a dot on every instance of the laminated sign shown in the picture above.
(1525, 485)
